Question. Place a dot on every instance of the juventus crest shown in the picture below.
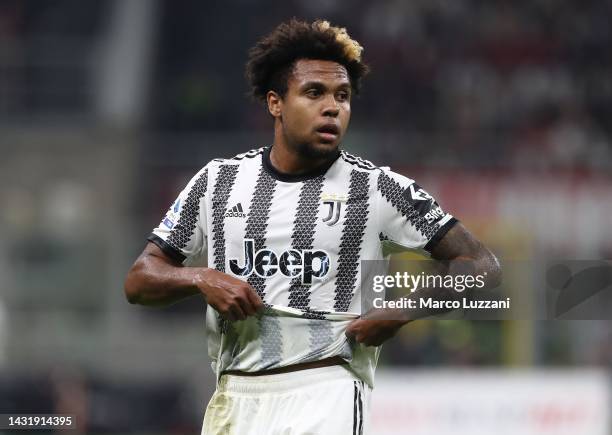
(334, 202)
(334, 212)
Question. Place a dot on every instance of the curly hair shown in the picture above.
(272, 59)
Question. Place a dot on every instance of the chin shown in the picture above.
(318, 150)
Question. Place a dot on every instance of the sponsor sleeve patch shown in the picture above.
(425, 204)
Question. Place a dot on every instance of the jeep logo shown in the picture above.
(291, 263)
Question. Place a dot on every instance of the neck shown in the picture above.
(286, 158)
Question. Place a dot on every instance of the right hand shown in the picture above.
(233, 298)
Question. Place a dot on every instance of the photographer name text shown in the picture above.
(435, 304)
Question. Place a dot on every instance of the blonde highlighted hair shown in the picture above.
(271, 60)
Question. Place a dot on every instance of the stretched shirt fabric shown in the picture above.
(299, 241)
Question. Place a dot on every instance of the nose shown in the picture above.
(331, 107)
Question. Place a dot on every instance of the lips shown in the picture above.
(329, 128)
(328, 132)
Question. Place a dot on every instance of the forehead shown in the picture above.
(309, 70)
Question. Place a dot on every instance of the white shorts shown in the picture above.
(321, 401)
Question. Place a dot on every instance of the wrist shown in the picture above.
(198, 278)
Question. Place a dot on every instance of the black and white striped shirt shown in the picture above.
(299, 241)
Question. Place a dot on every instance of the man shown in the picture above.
(283, 230)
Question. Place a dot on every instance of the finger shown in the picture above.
(227, 315)
(237, 312)
(375, 342)
(246, 305)
(224, 312)
(254, 299)
(354, 326)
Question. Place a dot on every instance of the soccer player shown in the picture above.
(283, 230)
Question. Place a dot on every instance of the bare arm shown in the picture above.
(155, 279)
(459, 253)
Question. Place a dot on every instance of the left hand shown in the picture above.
(375, 327)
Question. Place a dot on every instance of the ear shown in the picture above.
(275, 103)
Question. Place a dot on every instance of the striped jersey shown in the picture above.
(299, 241)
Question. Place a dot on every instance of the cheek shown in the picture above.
(298, 118)
(346, 116)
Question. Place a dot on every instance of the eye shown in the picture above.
(313, 92)
(343, 96)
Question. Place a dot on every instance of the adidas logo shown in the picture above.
(236, 211)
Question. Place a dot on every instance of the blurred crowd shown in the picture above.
(466, 82)
(469, 83)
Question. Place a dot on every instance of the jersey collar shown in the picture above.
(292, 178)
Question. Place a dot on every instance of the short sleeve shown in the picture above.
(408, 215)
(182, 232)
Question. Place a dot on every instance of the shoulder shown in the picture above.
(383, 174)
(237, 159)
(248, 155)
(356, 162)
(233, 163)
(223, 167)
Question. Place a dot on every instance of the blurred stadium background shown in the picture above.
(501, 109)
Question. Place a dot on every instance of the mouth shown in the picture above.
(328, 132)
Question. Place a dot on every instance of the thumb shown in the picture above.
(351, 329)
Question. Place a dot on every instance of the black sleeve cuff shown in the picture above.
(441, 233)
(168, 249)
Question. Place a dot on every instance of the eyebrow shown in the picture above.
(317, 84)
